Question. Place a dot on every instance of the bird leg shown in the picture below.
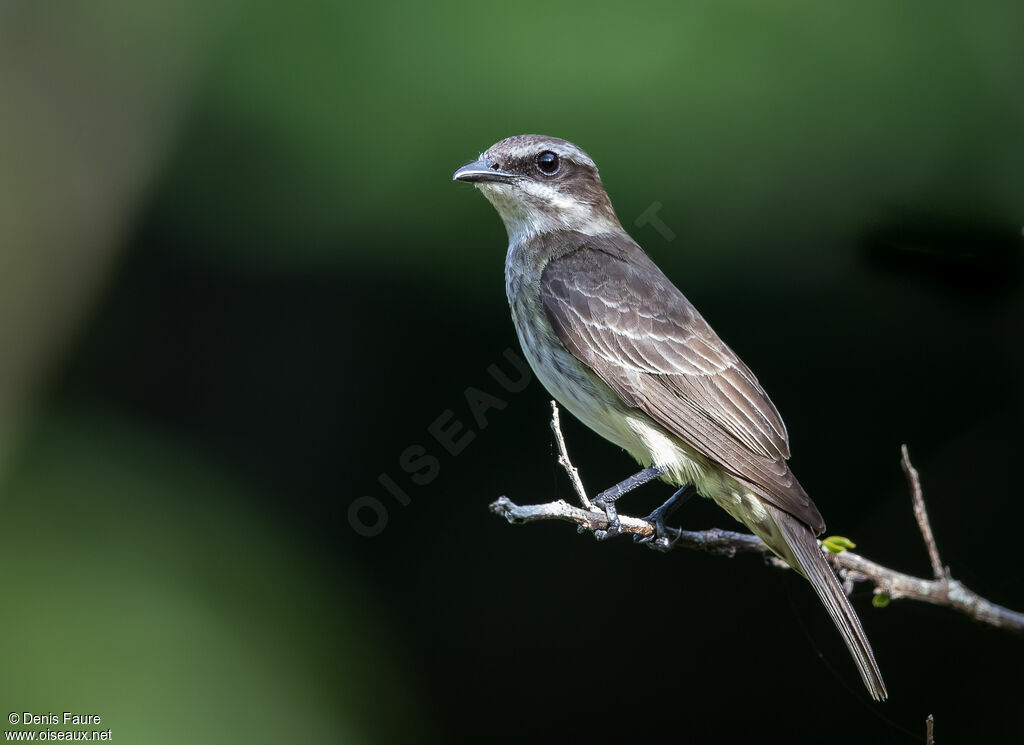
(671, 505)
(606, 499)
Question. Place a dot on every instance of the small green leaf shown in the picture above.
(836, 544)
(880, 600)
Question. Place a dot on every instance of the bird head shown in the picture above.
(541, 184)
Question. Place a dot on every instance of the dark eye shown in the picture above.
(547, 162)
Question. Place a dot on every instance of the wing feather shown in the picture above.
(616, 312)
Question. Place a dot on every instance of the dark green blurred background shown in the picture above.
(237, 284)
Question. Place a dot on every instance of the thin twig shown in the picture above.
(563, 458)
(929, 723)
(942, 591)
(921, 515)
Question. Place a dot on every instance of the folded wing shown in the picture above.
(616, 312)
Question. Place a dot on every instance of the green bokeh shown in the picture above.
(140, 584)
(228, 216)
(790, 120)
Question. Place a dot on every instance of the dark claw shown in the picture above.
(657, 544)
(614, 525)
(606, 499)
(657, 517)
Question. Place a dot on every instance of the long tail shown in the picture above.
(810, 562)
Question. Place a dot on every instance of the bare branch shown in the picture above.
(563, 458)
(921, 515)
(713, 541)
(942, 591)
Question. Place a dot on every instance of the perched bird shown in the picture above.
(619, 346)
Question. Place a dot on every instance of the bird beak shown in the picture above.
(482, 170)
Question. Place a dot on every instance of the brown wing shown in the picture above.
(616, 312)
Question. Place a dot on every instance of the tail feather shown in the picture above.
(812, 564)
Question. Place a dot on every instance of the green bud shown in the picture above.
(880, 600)
(836, 544)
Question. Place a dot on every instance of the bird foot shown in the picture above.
(614, 526)
(661, 539)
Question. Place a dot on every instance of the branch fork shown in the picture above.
(942, 590)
